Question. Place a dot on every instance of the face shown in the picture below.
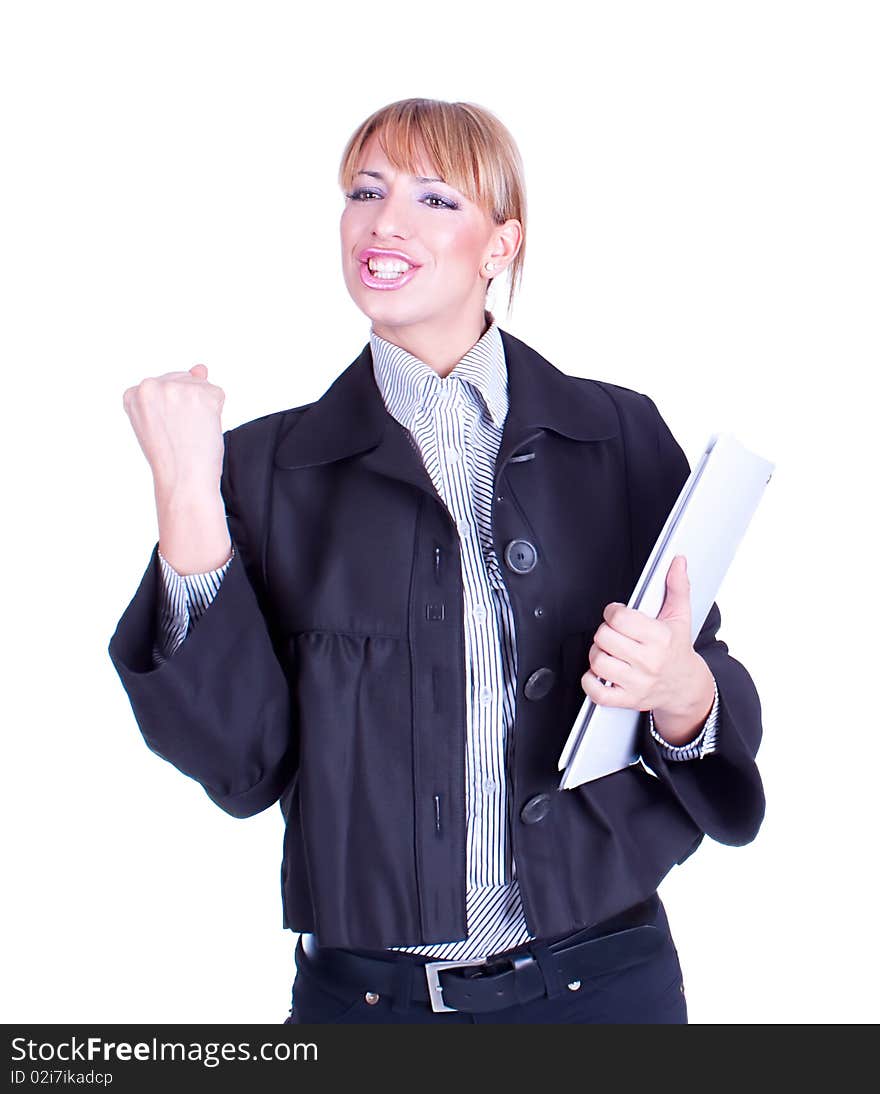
(436, 230)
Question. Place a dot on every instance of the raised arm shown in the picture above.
(220, 708)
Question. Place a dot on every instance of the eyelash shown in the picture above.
(356, 196)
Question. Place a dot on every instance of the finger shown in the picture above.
(677, 596)
(646, 657)
(175, 374)
(602, 695)
(628, 621)
(606, 667)
(617, 644)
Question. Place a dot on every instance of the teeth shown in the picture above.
(388, 265)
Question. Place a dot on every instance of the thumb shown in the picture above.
(677, 601)
(201, 374)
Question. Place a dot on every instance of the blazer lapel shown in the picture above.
(351, 420)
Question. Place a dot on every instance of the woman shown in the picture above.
(383, 609)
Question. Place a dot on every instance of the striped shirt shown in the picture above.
(455, 424)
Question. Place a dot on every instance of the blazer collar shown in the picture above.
(351, 417)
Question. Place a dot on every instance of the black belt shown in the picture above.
(502, 980)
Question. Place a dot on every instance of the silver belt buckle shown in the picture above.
(435, 990)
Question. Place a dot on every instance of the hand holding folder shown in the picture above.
(706, 524)
(652, 663)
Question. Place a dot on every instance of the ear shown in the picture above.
(504, 245)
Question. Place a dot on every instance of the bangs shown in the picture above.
(422, 138)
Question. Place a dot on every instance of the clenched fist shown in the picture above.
(176, 417)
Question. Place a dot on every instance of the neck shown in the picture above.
(435, 342)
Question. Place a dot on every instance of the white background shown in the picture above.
(703, 226)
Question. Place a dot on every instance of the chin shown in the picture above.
(394, 312)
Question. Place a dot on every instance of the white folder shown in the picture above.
(706, 525)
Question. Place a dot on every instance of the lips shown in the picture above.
(379, 252)
(386, 283)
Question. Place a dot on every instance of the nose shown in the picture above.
(391, 219)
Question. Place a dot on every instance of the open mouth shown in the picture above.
(386, 275)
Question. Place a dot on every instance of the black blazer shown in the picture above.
(328, 673)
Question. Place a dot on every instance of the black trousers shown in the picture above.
(651, 991)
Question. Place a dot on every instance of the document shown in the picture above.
(706, 525)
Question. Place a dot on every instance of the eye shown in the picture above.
(361, 195)
(443, 202)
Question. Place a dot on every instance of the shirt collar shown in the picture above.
(407, 383)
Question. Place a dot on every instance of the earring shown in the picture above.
(490, 265)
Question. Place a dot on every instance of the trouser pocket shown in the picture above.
(313, 1002)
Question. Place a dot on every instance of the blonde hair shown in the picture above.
(467, 145)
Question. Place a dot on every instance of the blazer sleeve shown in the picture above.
(722, 792)
(220, 709)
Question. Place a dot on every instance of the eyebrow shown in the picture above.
(379, 175)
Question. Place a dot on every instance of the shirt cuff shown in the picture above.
(200, 588)
(701, 745)
(184, 598)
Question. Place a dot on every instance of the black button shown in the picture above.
(520, 556)
(435, 611)
(539, 683)
(536, 809)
